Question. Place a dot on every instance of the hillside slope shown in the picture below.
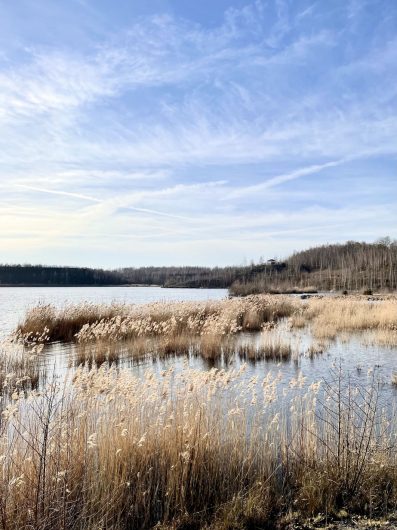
(349, 266)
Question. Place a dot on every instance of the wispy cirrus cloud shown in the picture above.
(142, 127)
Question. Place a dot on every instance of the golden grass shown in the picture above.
(187, 450)
(94, 355)
(384, 337)
(191, 449)
(212, 347)
(87, 322)
(62, 324)
(19, 369)
(354, 315)
(330, 317)
(298, 320)
(272, 347)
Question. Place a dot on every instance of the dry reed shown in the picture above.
(332, 316)
(271, 347)
(19, 369)
(316, 348)
(191, 449)
(207, 328)
(88, 322)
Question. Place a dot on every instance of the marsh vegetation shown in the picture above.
(210, 327)
(105, 447)
(111, 450)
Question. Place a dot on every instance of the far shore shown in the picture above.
(77, 285)
(302, 293)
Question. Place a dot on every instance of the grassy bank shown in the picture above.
(192, 450)
(185, 449)
(332, 317)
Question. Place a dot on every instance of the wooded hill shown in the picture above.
(349, 266)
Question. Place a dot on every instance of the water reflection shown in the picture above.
(354, 354)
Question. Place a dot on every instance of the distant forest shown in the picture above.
(215, 277)
(42, 275)
(351, 266)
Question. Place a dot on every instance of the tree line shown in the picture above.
(348, 266)
(215, 277)
(51, 276)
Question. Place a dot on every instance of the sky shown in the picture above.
(154, 132)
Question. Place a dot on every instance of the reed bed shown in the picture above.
(62, 324)
(19, 369)
(327, 316)
(384, 337)
(94, 355)
(330, 317)
(211, 347)
(271, 346)
(209, 329)
(158, 330)
(88, 322)
(316, 348)
(192, 449)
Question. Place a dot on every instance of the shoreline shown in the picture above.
(77, 285)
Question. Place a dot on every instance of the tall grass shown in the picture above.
(62, 324)
(19, 369)
(88, 322)
(271, 346)
(329, 317)
(190, 449)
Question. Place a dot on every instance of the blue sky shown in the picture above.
(180, 132)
